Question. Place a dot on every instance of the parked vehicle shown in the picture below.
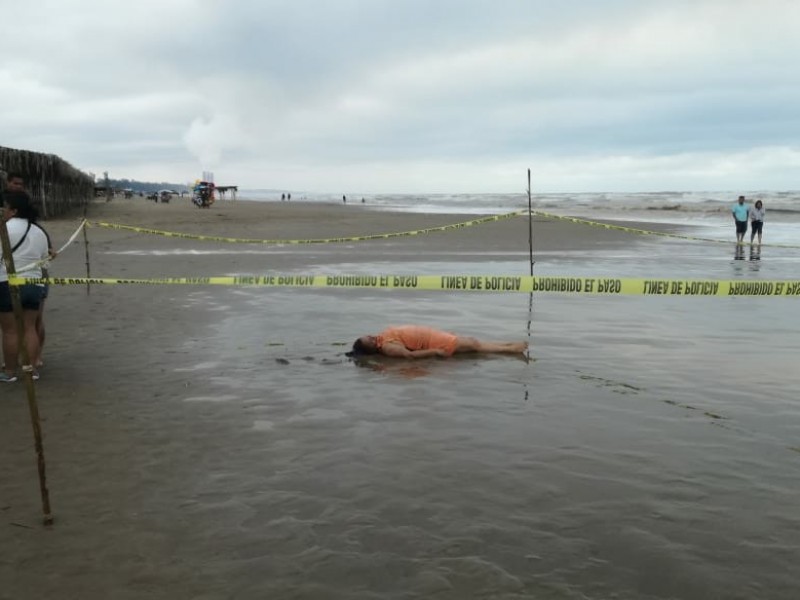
(203, 194)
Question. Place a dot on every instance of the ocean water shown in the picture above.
(706, 213)
(650, 448)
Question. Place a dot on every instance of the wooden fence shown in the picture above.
(55, 186)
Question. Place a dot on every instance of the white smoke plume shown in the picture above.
(206, 139)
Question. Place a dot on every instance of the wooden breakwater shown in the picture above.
(55, 186)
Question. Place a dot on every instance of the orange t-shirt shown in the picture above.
(418, 337)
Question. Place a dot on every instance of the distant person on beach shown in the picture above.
(344, 199)
(741, 213)
(28, 246)
(283, 197)
(757, 214)
(16, 183)
(418, 341)
(288, 197)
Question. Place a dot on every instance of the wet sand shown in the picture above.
(214, 442)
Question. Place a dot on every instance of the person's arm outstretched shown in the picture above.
(400, 351)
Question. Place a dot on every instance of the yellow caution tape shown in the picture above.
(605, 286)
(378, 236)
(360, 238)
(643, 231)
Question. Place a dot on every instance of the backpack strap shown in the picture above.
(22, 239)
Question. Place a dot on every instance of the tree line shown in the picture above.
(147, 187)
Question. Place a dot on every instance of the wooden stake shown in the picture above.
(27, 369)
(86, 250)
(86, 243)
(530, 221)
(530, 247)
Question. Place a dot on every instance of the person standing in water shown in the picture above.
(757, 214)
(740, 216)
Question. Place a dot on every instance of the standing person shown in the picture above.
(28, 246)
(418, 341)
(757, 214)
(16, 183)
(740, 214)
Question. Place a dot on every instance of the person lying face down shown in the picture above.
(418, 341)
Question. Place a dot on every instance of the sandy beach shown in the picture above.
(213, 442)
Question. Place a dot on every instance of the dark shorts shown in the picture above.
(45, 275)
(757, 226)
(30, 296)
(741, 226)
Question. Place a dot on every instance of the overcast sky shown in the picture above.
(410, 95)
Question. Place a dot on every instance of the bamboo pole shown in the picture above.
(530, 250)
(530, 221)
(27, 369)
(86, 244)
(86, 251)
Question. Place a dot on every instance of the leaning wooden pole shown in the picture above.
(530, 222)
(27, 369)
(86, 250)
(86, 245)
(530, 253)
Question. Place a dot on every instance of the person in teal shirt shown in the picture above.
(740, 214)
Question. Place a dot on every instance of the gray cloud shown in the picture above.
(413, 95)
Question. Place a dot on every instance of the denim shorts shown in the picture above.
(30, 296)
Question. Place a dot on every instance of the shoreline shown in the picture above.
(129, 254)
(301, 221)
